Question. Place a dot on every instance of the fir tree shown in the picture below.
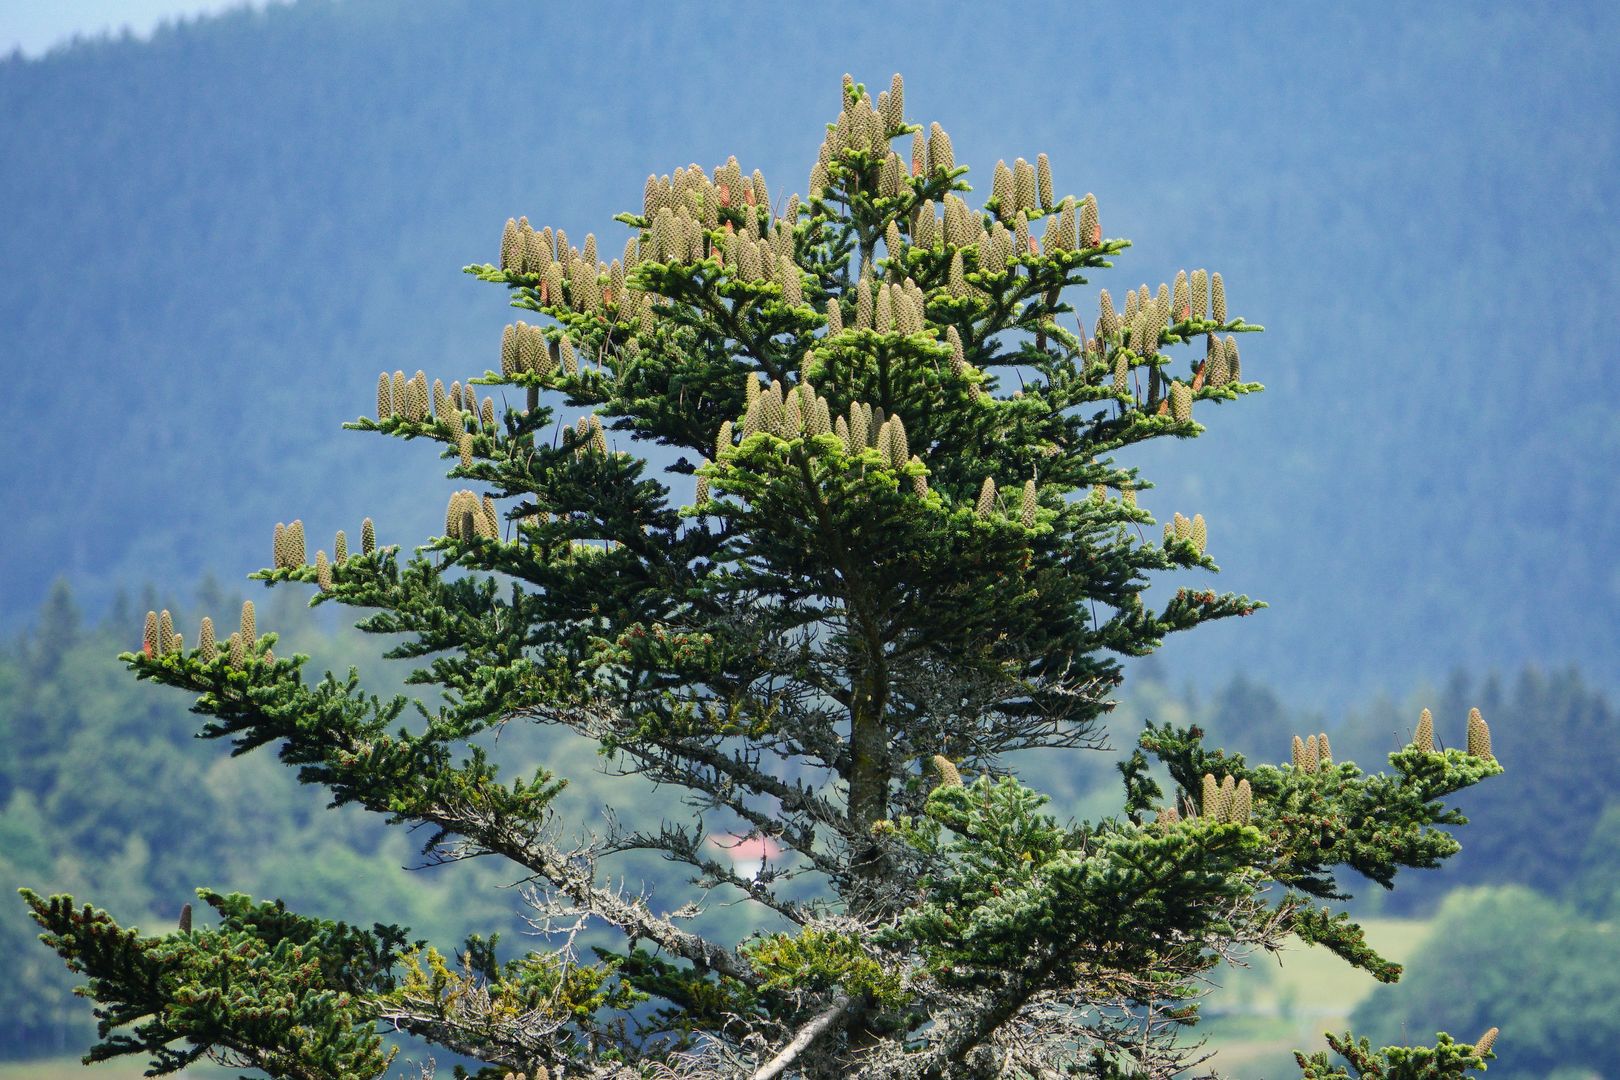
(893, 574)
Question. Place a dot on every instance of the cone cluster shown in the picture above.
(589, 438)
(1227, 800)
(571, 278)
(1192, 530)
(889, 309)
(288, 545)
(1222, 364)
(468, 517)
(412, 399)
(159, 638)
(866, 127)
(524, 350)
(1312, 754)
(1479, 735)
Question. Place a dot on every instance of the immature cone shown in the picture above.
(1212, 797)
(1242, 803)
(1218, 301)
(1043, 181)
(883, 316)
(491, 518)
(1233, 361)
(385, 396)
(531, 349)
(1324, 751)
(454, 510)
(1299, 753)
(486, 412)
(1479, 736)
(250, 634)
(415, 402)
(702, 495)
(1024, 184)
(295, 543)
(511, 245)
(465, 446)
(859, 426)
(987, 498)
(1109, 318)
(792, 283)
(510, 364)
(1313, 754)
(889, 175)
(396, 394)
(835, 318)
(238, 652)
(1026, 510)
(1200, 294)
(1483, 1044)
(1001, 190)
(1216, 370)
(900, 446)
(278, 545)
(206, 646)
(165, 635)
(1200, 533)
(1090, 230)
(919, 481)
(1122, 375)
(955, 280)
(368, 537)
(150, 643)
(323, 572)
(1167, 815)
(1423, 739)
(340, 548)
(1181, 401)
(949, 774)
(940, 154)
(1068, 235)
(1228, 796)
(895, 115)
(822, 419)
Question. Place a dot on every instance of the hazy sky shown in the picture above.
(35, 25)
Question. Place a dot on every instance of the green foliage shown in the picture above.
(816, 960)
(1445, 1059)
(1478, 972)
(855, 591)
(273, 990)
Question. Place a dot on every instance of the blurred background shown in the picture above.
(221, 221)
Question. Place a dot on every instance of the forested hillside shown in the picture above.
(215, 239)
